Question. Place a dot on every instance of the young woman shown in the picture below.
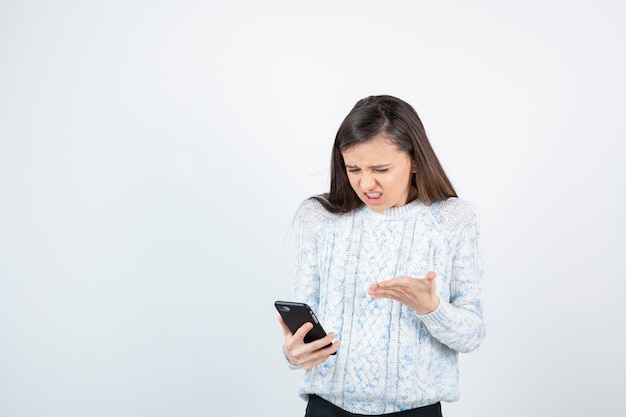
(390, 260)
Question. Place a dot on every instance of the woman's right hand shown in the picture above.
(307, 355)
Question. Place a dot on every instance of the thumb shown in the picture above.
(430, 275)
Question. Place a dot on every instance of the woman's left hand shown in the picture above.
(417, 293)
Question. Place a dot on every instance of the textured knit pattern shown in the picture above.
(391, 359)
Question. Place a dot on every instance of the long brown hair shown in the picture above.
(399, 122)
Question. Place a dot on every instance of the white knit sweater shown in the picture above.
(391, 359)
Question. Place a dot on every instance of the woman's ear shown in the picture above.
(413, 167)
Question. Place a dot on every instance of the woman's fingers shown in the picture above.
(418, 293)
(319, 356)
(307, 355)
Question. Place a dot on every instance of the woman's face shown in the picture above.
(380, 173)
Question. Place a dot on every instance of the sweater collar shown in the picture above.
(394, 213)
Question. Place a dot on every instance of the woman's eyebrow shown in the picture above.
(380, 166)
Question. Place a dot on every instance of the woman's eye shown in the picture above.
(354, 171)
(381, 170)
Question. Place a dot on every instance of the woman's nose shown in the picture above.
(367, 182)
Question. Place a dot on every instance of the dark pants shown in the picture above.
(319, 407)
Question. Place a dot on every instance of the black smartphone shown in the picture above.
(296, 314)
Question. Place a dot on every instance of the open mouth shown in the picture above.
(373, 198)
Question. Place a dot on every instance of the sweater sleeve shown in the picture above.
(458, 323)
(307, 225)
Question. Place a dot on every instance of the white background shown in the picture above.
(153, 153)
